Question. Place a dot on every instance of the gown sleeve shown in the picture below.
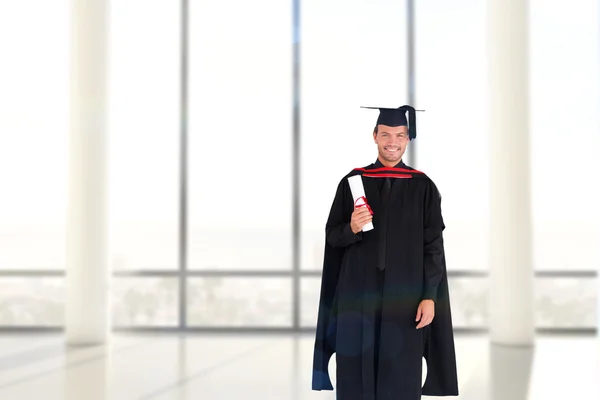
(338, 237)
(433, 244)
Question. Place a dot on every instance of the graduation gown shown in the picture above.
(366, 316)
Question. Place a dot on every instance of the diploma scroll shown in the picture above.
(358, 195)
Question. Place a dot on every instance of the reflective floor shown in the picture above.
(276, 367)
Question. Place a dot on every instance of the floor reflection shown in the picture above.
(277, 367)
(88, 380)
(510, 372)
(503, 373)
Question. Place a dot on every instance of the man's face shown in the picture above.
(391, 142)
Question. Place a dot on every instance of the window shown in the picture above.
(144, 135)
(239, 216)
(32, 301)
(240, 302)
(565, 139)
(34, 105)
(240, 108)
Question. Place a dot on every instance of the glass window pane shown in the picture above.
(144, 134)
(452, 140)
(225, 301)
(144, 301)
(310, 290)
(34, 119)
(344, 68)
(566, 302)
(32, 301)
(240, 134)
(565, 139)
(469, 301)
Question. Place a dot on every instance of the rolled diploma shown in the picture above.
(358, 190)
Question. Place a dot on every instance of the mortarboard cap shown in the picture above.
(397, 117)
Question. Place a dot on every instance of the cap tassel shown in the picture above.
(412, 120)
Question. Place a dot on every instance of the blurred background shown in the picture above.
(229, 126)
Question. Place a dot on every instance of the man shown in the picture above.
(384, 302)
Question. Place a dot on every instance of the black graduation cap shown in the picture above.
(397, 117)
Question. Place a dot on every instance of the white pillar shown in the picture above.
(87, 307)
(511, 274)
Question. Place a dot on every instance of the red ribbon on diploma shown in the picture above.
(365, 204)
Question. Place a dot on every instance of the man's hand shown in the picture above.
(425, 313)
(360, 217)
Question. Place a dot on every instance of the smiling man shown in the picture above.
(384, 302)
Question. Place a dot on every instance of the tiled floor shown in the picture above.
(270, 367)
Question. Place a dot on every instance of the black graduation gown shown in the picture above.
(352, 291)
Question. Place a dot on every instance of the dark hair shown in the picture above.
(375, 130)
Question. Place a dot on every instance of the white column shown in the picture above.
(511, 274)
(87, 307)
